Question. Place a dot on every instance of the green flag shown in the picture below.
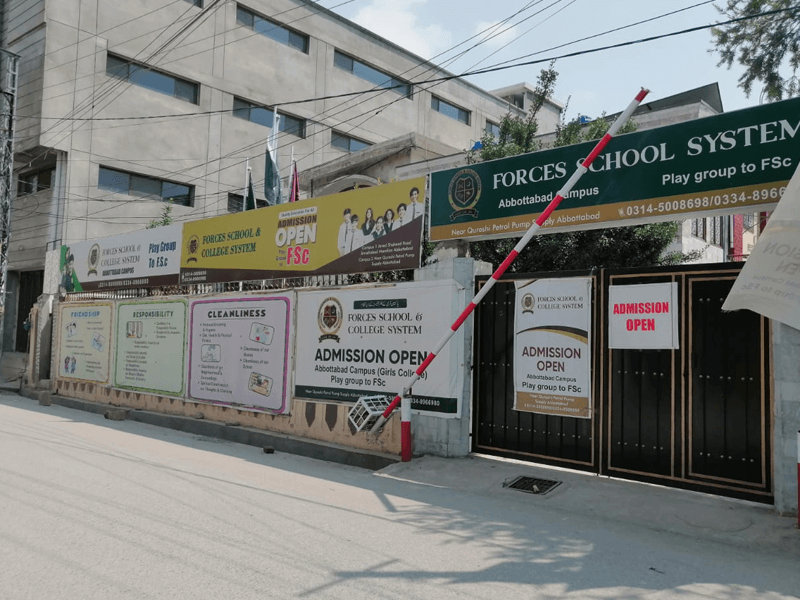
(250, 199)
(272, 178)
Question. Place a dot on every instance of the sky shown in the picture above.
(595, 83)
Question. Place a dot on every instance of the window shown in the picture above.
(197, 3)
(30, 183)
(450, 110)
(748, 221)
(149, 188)
(235, 203)
(271, 29)
(150, 79)
(263, 116)
(715, 227)
(364, 71)
(346, 143)
(699, 228)
(493, 129)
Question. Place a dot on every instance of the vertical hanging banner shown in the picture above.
(552, 347)
(239, 351)
(151, 346)
(84, 343)
(643, 316)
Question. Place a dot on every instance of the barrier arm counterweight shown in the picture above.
(405, 431)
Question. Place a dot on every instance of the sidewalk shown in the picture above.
(699, 516)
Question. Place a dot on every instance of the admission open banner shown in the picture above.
(240, 350)
(730, 163)
(84, 341)
(146, 258)
(371, 341)
(151, 346)
(643, 316)
(364, 230)
(552, 347)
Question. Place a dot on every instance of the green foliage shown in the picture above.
(762, 45)
(166, 217)
(636, 246)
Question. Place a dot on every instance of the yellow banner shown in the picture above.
(364, 230)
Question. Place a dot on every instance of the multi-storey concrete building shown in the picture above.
(125, 105)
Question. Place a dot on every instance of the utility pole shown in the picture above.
(9, 68)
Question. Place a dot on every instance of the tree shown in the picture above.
(642, 245)
(762, 45)
(166, 216)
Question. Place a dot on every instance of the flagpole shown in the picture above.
(246, 181)
(276, 120)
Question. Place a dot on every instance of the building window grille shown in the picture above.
(145, 187)
(450, 110)
(30, 183)
(716, 231)
(236, 202)
(371, 74)
(148, 78)
(264, 116)
(749, 221)
(699, 228)
(346, 143)
(271, 29)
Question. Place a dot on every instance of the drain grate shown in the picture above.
(531, 485)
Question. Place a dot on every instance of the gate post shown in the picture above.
(798, 479)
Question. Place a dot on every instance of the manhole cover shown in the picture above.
(531, 485)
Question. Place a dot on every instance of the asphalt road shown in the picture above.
(91, 508)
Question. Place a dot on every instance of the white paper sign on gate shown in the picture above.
(84, 344)
(240, 351)
(643, 316)
(552, 347)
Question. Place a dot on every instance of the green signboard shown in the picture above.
(730, 163)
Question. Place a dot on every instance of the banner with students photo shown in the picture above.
(363, 230)
(552, 347)
(146, 258)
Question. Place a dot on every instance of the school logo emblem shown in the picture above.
(330, 318)
(94, 259)
(463, 193)
(528, 303)
(191, 247)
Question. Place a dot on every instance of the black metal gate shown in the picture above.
(696, 417)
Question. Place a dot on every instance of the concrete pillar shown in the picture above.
(786, 358)
(436, 435)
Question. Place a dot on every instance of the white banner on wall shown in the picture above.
(146, 258)
(552, 347)
(84, 345)
(240, 351)
(371, 341)
(151, 346)
(643, 316)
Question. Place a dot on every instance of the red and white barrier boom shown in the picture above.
(405, 410)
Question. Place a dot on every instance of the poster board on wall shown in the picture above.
(84, 341)
(553, 347)
(643, 316)
(240, 350)
(150, 346)
(370, 341)
(364, 230)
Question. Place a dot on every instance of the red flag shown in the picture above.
(294, 195)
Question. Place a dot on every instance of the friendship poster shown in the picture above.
(552, 347)
(84, 344)
(363, 342)
(364, 230)
(151, 346)
(240, 351)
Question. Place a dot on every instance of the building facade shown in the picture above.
(125, 106)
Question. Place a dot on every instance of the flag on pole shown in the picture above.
(249, 194)
(272, 177)
(294, 195)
